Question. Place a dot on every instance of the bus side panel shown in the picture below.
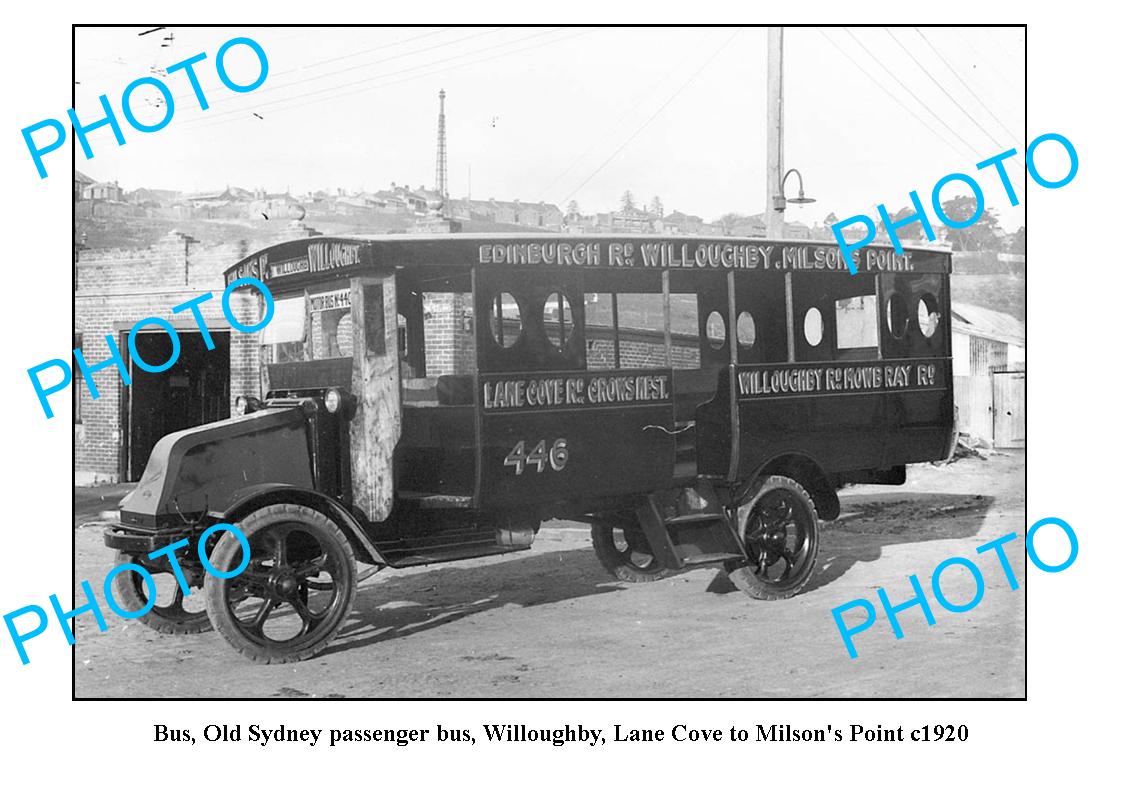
(437, 450)
(920, 417)
(544, 457)
(839, 431)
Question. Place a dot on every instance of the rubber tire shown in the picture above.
(228, 554)
(130, 600)
(616, 563)
(742, 574)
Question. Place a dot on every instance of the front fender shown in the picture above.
(250, 499)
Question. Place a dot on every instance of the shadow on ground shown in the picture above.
(401, 606)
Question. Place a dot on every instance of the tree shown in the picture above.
(984, 234)
(572, 209)
(913, 230)
(657, 206)
(627, 201)
(1018, 241)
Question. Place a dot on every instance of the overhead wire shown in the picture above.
(653, 116)
(966, 85)
(659, 83)
(940, 86)
(911, 93)
(242, 114)
(893, 96)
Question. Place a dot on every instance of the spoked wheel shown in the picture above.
(626, 554)
(173, 612)
(297, 590)
(780, 530)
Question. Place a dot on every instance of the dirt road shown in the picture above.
(549, 622)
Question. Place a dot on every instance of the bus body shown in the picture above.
(694, 400)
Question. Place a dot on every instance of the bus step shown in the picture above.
(709, 558)
(688, 519)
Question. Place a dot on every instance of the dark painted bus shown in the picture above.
(430, 398)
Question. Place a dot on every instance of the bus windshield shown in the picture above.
(312, 327)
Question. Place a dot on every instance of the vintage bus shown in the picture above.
(429, 398)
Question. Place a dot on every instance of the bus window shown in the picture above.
(642, 338)
(557, 320)
(836, 317)
(284, 337)
(762, 319)
(916, 315)
(601, 349)
(505, 320)
(331, 333)
(855, 320)
(686, 343)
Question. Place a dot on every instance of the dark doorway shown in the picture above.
(193, 391)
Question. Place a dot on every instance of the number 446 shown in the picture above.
(518, 458)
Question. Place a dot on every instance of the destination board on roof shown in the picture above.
(731, 255)
(301, 257)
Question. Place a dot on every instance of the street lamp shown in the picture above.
(780, 203)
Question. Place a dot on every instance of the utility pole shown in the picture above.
(774, 156)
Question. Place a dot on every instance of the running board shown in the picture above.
(688, 526)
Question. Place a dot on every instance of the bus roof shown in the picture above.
(316, 259)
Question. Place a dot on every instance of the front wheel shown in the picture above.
(172, 611)
(296, 591)
(780, 530)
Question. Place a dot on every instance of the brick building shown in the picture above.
(116, 288)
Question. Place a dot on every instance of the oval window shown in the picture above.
(343, 335)
(715, 329)
(897, 316)
(557, 318)
(927, 316)
(746, 329)
(813, 327)
(506, 322)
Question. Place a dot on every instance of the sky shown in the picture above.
(557, 114)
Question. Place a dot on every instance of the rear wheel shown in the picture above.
(626, 554)
(293, 596)
(779, 527)
(173, 612)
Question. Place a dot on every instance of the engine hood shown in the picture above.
(202, 469)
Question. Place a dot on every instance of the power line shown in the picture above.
(911, 93)
(236, 116)
(940, 86)
(241, 111)
(987, 62)
(267, 89)
(406, 40)
(622, 117)
(965, 84)
(893, 96)
(653, 116)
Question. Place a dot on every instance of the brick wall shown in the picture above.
(115, 288)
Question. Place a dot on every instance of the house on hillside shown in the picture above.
(151, 197)
(104, 191)
(988, 367)
(81, 183)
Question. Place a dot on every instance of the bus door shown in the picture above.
(576, 397)
(698, 337)
(435, 465)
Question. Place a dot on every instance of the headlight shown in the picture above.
(246, 404)
(333, 400)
